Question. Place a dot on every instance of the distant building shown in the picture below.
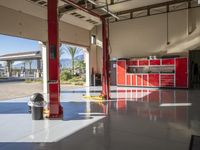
(1, 70)
(22, 56)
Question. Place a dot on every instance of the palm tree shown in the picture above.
(61, 52)
(73, 52)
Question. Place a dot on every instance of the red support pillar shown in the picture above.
(106, 58)
(55, 108)
(106, 63)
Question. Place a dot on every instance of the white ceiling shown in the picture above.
(37, 10)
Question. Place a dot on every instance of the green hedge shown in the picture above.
(65, 75)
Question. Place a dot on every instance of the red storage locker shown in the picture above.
(134, 80)
(181, 72)
(139, 80)
(145, 80)
(154, 80)
(168, 61)
(128, 80)
(155, 62)
(121, 72)
(128, 63)
(134, 62)
(143, 62)
(167, 80)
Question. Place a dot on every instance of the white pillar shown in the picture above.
(87, 67)
(9, 69)
(44, 67)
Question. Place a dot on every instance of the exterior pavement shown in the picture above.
(12, 90)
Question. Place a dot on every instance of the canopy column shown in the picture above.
(55, 108)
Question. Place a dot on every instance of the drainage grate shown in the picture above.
(195, 142)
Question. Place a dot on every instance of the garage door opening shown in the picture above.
(20, 67)
(194, 65)
(74, 65)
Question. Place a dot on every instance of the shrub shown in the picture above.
(65, 75)
(28, 81)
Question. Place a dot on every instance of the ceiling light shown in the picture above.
(175, 104)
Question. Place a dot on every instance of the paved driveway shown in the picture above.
(11, 90)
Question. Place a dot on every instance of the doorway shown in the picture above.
(194, 73)
(74, 65)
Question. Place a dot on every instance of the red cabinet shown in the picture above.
(134, 62)
(143, 62)
(154, 80)
(155, 62)
(139, 80)
(169, 61)
(128, 63)
(128, 80)
(145, 79)
(167, 80)
(134, 83)
(174, 73)
(121, 72)
(181, 72)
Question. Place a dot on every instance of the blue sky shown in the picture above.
(10, 44)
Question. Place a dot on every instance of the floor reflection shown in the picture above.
(134, 118)
(137, 119)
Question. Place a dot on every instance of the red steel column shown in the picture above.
(55, 108)
(106, 58)
(105, 71)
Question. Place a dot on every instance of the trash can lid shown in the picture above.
(37, 97)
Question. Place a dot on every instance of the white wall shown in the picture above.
(148, 35)
(16, 23)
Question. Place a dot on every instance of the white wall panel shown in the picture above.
(16, 23)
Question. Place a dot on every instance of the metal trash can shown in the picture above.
(36, 106)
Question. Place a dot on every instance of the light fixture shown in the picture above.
(112, 14)
(93, 39)
(175, 104)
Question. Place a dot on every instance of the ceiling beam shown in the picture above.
(111, 3)
(65, 8)
(76, 5)
(150, 7)
(159, 13)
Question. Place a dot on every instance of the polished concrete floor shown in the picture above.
(134, 118)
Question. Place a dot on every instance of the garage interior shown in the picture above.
(147, 53)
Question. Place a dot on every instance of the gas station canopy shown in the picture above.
(21, 56)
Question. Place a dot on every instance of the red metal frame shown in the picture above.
(71, 2)
(106, 57)
(105, 71)
(55, 108)
(54, 89)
